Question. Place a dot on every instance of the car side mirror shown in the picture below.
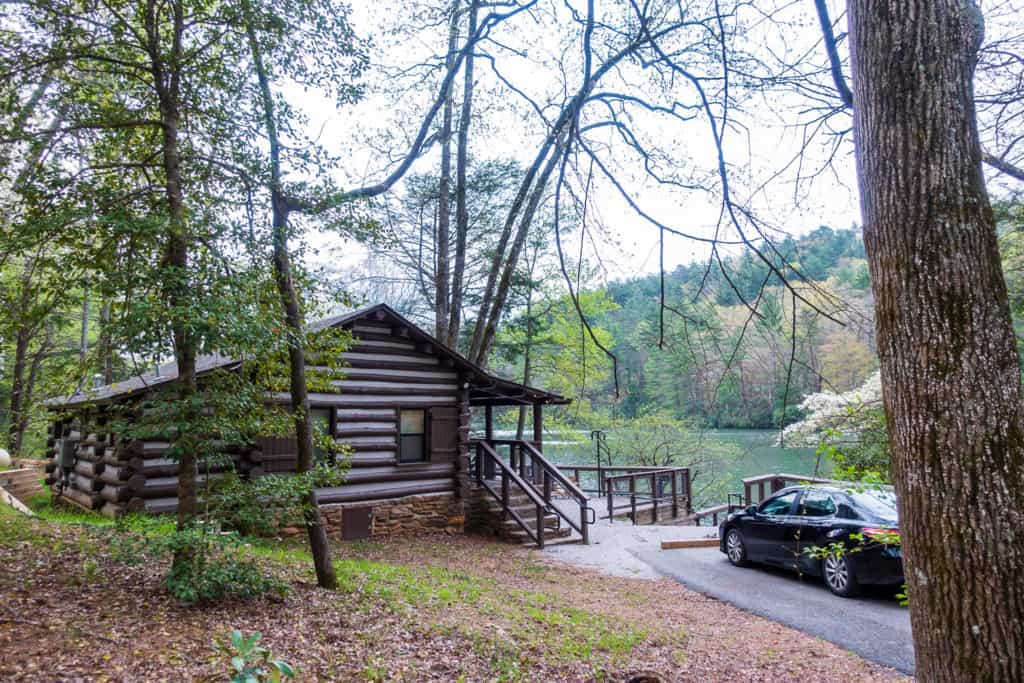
(752, 510)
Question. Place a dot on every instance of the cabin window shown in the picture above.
(412, 441)
(320, 421)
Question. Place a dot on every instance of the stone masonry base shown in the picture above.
(409, 515)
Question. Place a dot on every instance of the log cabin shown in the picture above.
(403, 406)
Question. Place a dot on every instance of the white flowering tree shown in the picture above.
(848, 428)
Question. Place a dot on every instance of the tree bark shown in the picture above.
(283, 277)
(442, 270)
(490, 328)
(499, 252)
(950, 369)
(21, 426)
(167, 83)
(106, 345)
(17, 405)
(461, 210)
(527, 352)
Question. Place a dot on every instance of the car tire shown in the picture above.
(735, 548)
(839, 576)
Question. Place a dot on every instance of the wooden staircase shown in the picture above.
(508, 528)
(515, 498)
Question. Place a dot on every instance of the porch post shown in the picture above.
(489, 438)
(538, 426)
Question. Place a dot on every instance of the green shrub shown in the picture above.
(246, 661)
(207, 566)
(261, 507)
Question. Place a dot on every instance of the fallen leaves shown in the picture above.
(428, 609)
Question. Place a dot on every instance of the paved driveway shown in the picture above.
(874, 626)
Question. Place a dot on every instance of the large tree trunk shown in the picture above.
(949, 363)
(315, 529)
(28, 391)
(527, 360)
(499, 253)
(442, 271)
(17, 406)
(106, 345)
(490, 328)
(294, 323)
(176, 293)
(461, 210)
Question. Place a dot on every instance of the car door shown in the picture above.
(765, 528)
(815, 517)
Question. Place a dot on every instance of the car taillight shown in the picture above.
(889, 536)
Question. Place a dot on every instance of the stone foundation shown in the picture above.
(479, 517)
(410, 515)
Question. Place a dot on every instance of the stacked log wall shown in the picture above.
(386, 370)
(115, 476)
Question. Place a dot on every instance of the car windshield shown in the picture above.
(880, 503)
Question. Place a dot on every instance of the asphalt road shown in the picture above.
(873, 626)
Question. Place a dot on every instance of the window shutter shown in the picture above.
(279, 454)
(444, 434)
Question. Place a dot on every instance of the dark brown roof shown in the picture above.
(485, 388)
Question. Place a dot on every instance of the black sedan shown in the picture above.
(849, 537)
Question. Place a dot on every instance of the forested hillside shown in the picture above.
(721, 364)
(716, 363)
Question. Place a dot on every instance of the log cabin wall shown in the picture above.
(388, 372)
(94, 469)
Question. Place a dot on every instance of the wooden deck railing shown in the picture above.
(755, 490)
(488, 458)
(678, 485)
(537, 472)
(600, 474)
(775, 482)
(735, 502)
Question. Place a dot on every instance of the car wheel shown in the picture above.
(735, 550)
(838, 573)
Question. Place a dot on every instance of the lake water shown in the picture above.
(755, 453)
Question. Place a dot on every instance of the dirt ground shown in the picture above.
(445, 608)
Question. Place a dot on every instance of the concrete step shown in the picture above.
(550, 521)
(520, 536)
(569, 539)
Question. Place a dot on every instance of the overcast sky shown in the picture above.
(760, 145)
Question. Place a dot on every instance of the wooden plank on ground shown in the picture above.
(7, 498)
(690, 543)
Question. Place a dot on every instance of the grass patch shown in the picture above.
(42, 505)
(540, 622)
(17, 528)
(507, 626)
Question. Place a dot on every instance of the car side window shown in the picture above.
(847, 512)
(780, 505)
(816, 504)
